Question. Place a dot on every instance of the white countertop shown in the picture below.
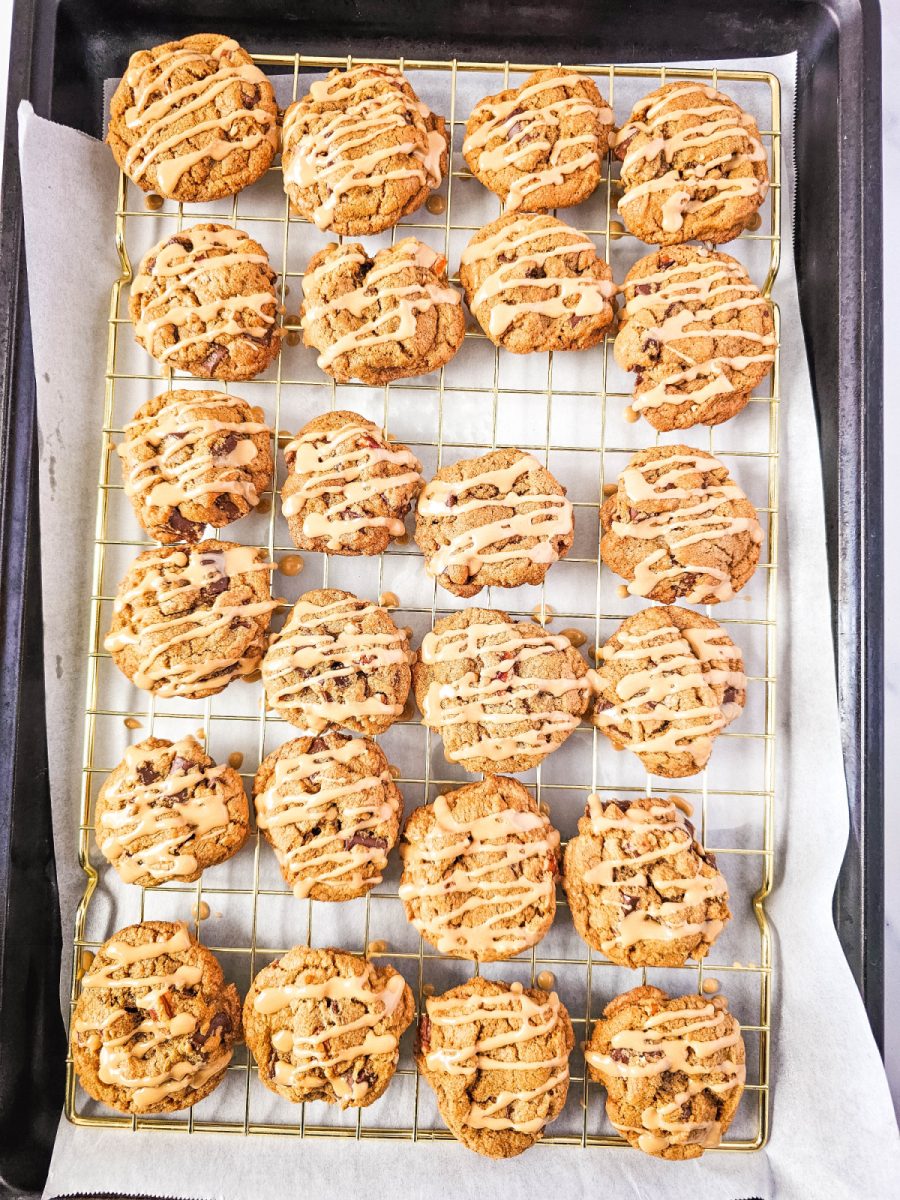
(891, 125)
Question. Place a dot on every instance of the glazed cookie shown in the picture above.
(331, 811)
(326, 1025)
(698, 334)
(502, 694)
(338, 661)
(189, 619)
(533, 283)
(203, 301)
(641, 888)
(495, 521)
(540, 146)
(668, 681)
(349, 486)
(361, 151)
(693, 166)
(381, 318)
(191, 459)
(479, 870)
(497, 1056)
(155, 1023)
(673, 1069)
(167, 812)
(679, 527)
(193, 120)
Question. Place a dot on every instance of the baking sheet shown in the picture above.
(798, 1060)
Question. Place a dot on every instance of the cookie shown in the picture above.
(693, 166)
(540, 146)
(495, 521)
(674, 1070)
(167, 812)
(349, 486)
(193, 120)
(189, 619)
(698, 334)
(479, 870)
(533, 283)
(203, 301)
(502, 694)
(361, 151)
(155, 1023)
(497, 1057)
(679, 528)
(380, 318)
(326, 1025)
(331, 811)
(668, 681)
(641, 888)
(192, 459)
(338, 660)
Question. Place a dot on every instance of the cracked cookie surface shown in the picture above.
(349, 485)
(673, 1068)
(389, 316)
(693, 166)
(698, 334)
(189, 619)
(155, 1023)
(338, 660)
(330, 809)
(641, 888)
(497, 1057)
(193, 120)
(679, 527)
(502, 694)
(203, 301)
(668, 681)
(167, 812)
(192, 459)
(540, 146)
(326, 1025)
(479, 870)
(361, 151)
(533, 283)
(499, 520)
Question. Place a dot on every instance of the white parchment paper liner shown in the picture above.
(833, 1130)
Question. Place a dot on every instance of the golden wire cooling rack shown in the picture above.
(485, 397)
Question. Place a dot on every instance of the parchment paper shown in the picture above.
(833, 1130)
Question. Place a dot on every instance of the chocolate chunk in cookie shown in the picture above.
(693, 166)
(326, 1025)
(203, 301)
(673, 1069)
(167, 812)
(382, 318)
(192, 459)
(668, 681)
(331, 811)
(502, 694)
(361, 151)
(495, 521)
(349, 486)
(193, 120)
(155, 1023)
(540, 146)
(187, 620)
(533, 283)
(340, 661)
(678, 527)
(641, 888)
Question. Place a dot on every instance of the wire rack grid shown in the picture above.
(249, 937)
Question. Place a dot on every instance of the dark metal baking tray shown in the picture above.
(61, 53)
